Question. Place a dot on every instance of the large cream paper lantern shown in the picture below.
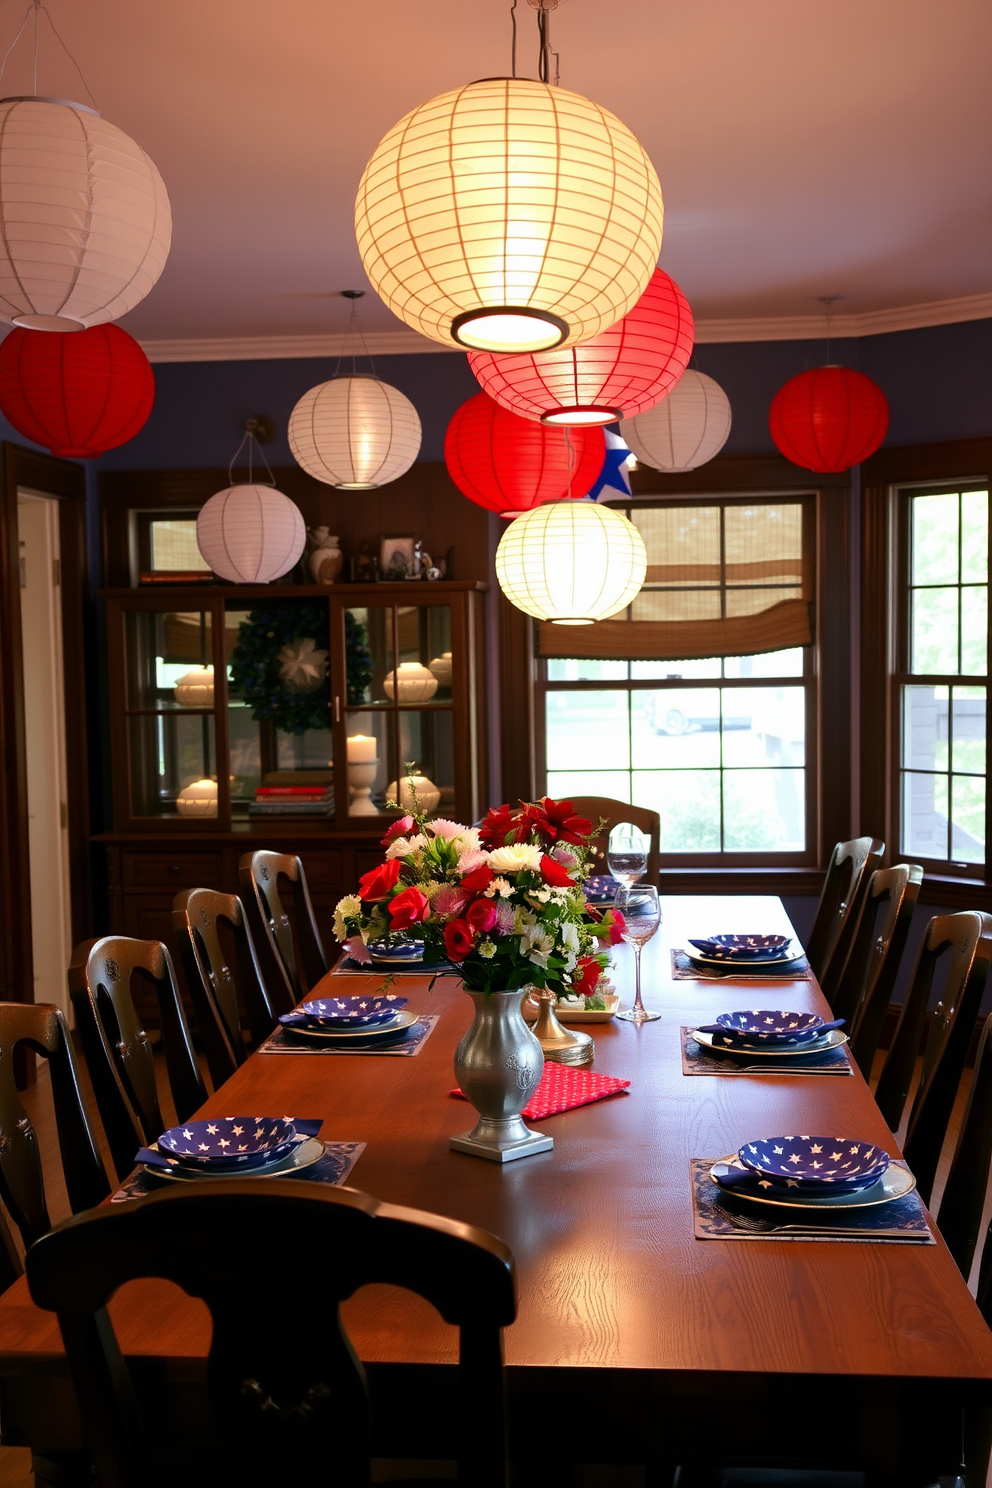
(250, 534)
(354, 432)
(85, 222)
(509, 215)
(571, 562)
(685, 429)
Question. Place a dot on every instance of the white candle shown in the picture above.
(362, 749)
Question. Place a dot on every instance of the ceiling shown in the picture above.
(804, 147)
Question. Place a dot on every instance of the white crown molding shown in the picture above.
(402, 341)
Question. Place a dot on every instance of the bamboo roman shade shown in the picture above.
(723, 579)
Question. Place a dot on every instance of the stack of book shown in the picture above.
(293, 800)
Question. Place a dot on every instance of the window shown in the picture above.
(943, 677)
(164, 542)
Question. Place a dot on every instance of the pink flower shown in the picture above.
(441, 827)
(564, 857)
(505, 916)
(481, 915)
(470, 860)
(357, 950)
(411, 907)
(400, 828)
(449, 901)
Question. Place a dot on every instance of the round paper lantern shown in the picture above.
(616, 374)
(509, 464)
(250, 534)
(829, 419)
(685, 429)
(86, 222)
(198, 799)
(572, 562)
(354, 432)
(76, 395)
(509, 215)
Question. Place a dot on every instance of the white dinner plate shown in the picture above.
(729, 961)
(895, 1183)
(832, 1040)
(307, 1152)
(366, 1035)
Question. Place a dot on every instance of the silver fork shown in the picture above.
(767, 1227)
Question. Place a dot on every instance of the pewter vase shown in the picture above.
(498, 1065)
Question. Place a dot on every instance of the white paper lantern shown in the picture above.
(685, 429)
(195, 688)
(509, 215)
(411, 682)
(571, 562)
(354, 432)
(85, 217)
(416, 793)
(250, 534)
(198, 799)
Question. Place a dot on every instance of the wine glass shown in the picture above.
(638, 903)
(627, 854)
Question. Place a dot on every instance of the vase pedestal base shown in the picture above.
(502, 1140)
(561, 1045)
(579, 1056)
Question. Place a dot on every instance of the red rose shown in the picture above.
(459, 937)
(481, 915)
(378, 883)
(401, 828)
(409, 908)
(553, 873)
(499, 826)
(586, 975)
(478, 880)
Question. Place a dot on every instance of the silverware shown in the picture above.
(766, 1227)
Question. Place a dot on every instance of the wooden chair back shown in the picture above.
(964, 943)
(225, 989)
(864, 990)
(611, 813)
(287, 1399)
(117, 1048)
(960, 1214)
(22, 1185)
(294, 958)
(851, 866)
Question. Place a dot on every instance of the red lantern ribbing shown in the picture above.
(76, 393)
(627, 369)
(829, 419)
(510, 465)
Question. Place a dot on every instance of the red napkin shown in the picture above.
(563, 1088)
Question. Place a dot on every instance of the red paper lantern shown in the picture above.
(628, 368)
(509, 464)
(829, 419)
(77, 393)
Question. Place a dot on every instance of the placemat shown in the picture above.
(564, 1089)
(684, 971)
(417, 1035)
(717, 1216)
(347, 967)
(334, 1167)
(697, 1060)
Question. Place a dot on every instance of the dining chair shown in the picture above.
(611, 813)
(287, 1396)
(117, 1047)
(292, 950)
(959, 1217)
(961, 944)
(851, 866)
(22, 1184)
(864, 990)
(207, 926)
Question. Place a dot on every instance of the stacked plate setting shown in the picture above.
(230, 1144)
(752, 951)
(814, 1165)
(340, 1019)
(765, 1028)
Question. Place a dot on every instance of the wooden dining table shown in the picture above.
(634, 1341)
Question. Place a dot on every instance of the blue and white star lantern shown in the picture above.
(614, 479)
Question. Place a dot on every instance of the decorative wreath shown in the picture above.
(280, 664)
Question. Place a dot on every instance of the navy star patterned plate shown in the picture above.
(600, 888)
(344, 1012)
(229, 1141)
(744, 947)
(763, 1026)
(812, 1164)
(406, 953)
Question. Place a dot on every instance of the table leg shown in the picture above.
(62, 1469)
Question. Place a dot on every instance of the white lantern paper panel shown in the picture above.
(85, 222)
(250, 534)
(685, 429)
(354, 432)
(571, 562)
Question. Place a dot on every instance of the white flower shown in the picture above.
(540, 950)
(463, 839)
(517, 858)
(539, 896)
(403, 847)
(570, 936)
(486, 950)
(346, 908)
(502, 887)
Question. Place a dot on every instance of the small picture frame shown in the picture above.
(397, 559)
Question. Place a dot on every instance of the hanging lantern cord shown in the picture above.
(354, 334)
(828, 301)
(249, 436)
(35, 8)
(571, 457)
(513, 43)
(544, 31)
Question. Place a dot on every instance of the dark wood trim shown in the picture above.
(728, 474)
(516, 702)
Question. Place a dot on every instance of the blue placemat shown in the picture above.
(417, 1035)
(698, 1060)
(334, 1167)
(716, 1215)
(683, 970)
(348, 967)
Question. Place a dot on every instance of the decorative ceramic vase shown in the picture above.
(325, 558)
(498, 1066)
(441, 668)
(412, 682)
(416, 794)
(361, 778)
(195, 688)
(198, 799)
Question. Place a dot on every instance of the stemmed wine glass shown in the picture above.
(638, 903)
(627, 854)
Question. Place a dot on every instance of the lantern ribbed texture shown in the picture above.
(572, 562)
(685, 429)
(829, 419)
(509, 195)
(76, 395)
(354, 432)
(626, 369)
(509, 464)
(85, 223)
(250, 534)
